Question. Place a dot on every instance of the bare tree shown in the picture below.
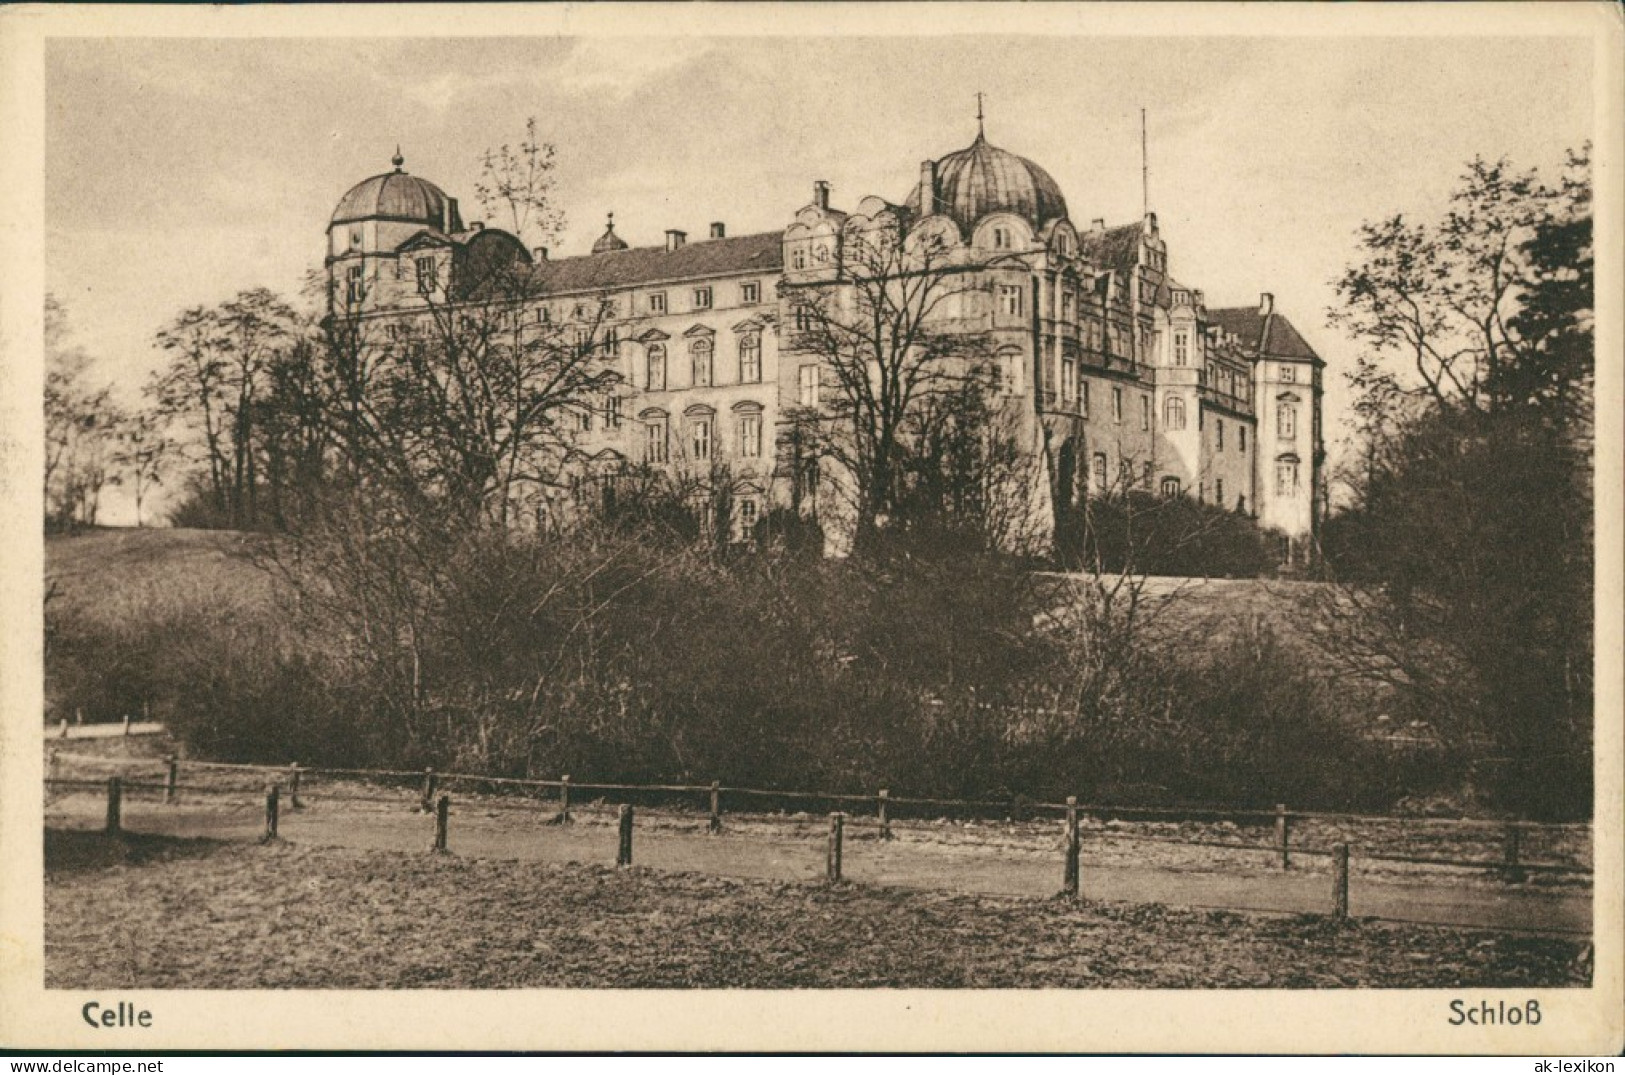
(516, 185)
(142, 455)
(80, 424)
(879, 332)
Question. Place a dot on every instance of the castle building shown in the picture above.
(1119, 376)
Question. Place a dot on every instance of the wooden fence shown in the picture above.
(425, 790)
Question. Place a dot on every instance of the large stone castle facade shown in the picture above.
(1119, 375)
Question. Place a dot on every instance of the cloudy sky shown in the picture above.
(179, 171)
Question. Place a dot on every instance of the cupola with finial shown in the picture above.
(609, 242)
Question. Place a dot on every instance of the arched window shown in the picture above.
(1009, 369)
(750, 358)
(1097, 474)
(699, 353)
(655, 368)
(1286, 476)
(1173, 413)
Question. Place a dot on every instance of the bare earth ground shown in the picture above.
(159, 912)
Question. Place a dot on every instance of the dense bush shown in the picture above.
(616, 657)
(1143, 533)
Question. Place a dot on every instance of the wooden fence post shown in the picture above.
(1282, 835)
(115, 805)
(78, 716)
(126, 724)
(1069, 882)
(293, 788)
(832, 866)
(1340, 881)
(64, 727)
(172, 767)
(50, 764)
(715, 825)
(442, 815)
(623, 854)
(1511, 849)
(885, 822)
(273, 795)
(429, 785)
(564, 799)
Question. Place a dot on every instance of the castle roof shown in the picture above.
(401, 197)
(1268, 334)
(763, 252)
(983, 179)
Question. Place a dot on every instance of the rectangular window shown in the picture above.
(750, 435)
(1145, 411)
(1083, 405)
(746, 512)
(750, 359)
(1010, 300)
(1097, 474)
(1286, 477)
(700, 356)
(655, 369)
(1289, 374)
(1170, 487)
(700, 439)
(654, 441)
(612, 412)
(428, 275)
(1069, 380)
(612, 340)
(809, 386)
(1286, 421)
(543, 315)
(1117, 404)
(1218, 491)
(702, 298)
(584, 421)
(1067, 303)
(657, 302)
(750, 294)
(803, 319)
(1001, 238)
(1242, 433)
(353, 285)
(1145, 476)
(1219, 432)
(1182, 349)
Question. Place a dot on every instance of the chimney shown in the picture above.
(1098, 224)
(928, 188)
(675, 239)
(1200, 301)
(539, 253)
(821, 194)
(717, 230)
(1266, 304)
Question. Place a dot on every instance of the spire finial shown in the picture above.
(980, 133)
(397, 159)
(612, 220)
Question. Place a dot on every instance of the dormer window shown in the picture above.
(428, 275)
(1001, 238)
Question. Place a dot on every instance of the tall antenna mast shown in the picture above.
(1145, 171)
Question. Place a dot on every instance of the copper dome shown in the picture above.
(400, 197)
(985, 179)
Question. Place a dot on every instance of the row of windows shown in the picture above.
(700, 436)
(700, 298)
(702, 366)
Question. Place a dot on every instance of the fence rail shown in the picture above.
(1509, 864)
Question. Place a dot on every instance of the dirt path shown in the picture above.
(796, 852)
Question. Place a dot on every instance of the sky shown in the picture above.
(179, 171)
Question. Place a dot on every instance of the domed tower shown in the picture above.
(983, 179)
(374, 218)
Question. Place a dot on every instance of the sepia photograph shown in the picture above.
(913, 527)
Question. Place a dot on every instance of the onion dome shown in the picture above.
(983, 179)
(609, 242)
(399, 197)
